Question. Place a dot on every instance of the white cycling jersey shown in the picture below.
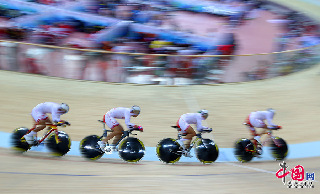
(191, 118)
(118, 113)
(39, 112)
(257, 118)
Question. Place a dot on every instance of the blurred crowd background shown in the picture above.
(168, 42)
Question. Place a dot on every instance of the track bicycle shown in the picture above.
(130, 149)
(58, 142)
(170, 151)
(245, 149)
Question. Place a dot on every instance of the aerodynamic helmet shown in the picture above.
(135, 109)
(64, 107)
(271, 110)
(204, 113)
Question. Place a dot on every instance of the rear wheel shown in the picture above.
(206, 151)
(18, 142)
(89, 147)
(244, 150)
(131, 149)
(61, 147)
(169, 150)
(279, 148)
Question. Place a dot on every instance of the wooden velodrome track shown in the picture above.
(295, 97)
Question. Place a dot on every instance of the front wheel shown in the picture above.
(169, 150)
(244, 150)
(58, 146)
(206, 151)
(131, 149)
(18, 142)
(89, 147)
(279, 148)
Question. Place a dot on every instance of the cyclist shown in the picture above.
(41, 119)
(257, 119)
(186, 129)
(117, 130)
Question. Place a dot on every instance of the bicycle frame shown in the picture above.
(268, 132)
(52, 128)
(124, 135)
(193, 142)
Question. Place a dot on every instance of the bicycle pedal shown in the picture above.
(108, 152)
(35, 143)
(100, 150)
(258, 152)
(257, 156)
(188, 155)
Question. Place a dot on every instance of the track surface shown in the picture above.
(40, 173)
(296, 98)
(229, 104)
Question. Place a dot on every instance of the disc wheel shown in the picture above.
(169, 150)
(18, 142)
(244, 150)
(206, 151)
(59, 148)
(131, 149)
(279, 148)
(89, 147)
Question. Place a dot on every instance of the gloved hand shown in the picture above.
(207, 130)
(61, 123)
(57, 123)
(136, 127)
(67, 123)
(140, 128)
(275, 127)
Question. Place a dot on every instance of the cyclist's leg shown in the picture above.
(258, 124)
(183, 130)
(253, 134)
(185, 142)
(117, 133)
(113, 124)
(190, 133)
(256, 139)
(41, 124)
(40, 121)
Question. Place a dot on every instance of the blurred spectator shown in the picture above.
(31, 66)
(169, 23)
(77, 33)
(212, 32)
(123, 12)
(282, 42)
(158, 46)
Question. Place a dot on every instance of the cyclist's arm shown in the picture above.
(200, 127)
(269, 121)
(127, 118)
(55, 115)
